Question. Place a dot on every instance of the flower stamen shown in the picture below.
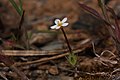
(59, 23)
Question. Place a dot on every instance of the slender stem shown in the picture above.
(21, 20)
(18, 34)
(24, 30)
(68, 44)
(27, 40)
(103, 8)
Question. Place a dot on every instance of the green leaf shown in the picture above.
(20, 1)
(18, 8)
(72, 58)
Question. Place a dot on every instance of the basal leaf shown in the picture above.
(18, 8)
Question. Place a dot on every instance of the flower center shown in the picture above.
(59, 23)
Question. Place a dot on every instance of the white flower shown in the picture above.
(59, 24)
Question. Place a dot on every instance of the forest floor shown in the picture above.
(43, 55)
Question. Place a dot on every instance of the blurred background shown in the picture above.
(83, 30)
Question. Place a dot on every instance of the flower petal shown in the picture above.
(57, 21)
(53, 27)
(58, 27)
(65, 24)
(64, 20)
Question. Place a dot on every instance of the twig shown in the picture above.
(47, 59)
(21, 74)
(94, 51)
(31, 52)
(116, 70)
(86, 73)
(3, 76)
(104, 60)
(10, 63)
(108, 52)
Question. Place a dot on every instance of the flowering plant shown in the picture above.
(72, 59)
